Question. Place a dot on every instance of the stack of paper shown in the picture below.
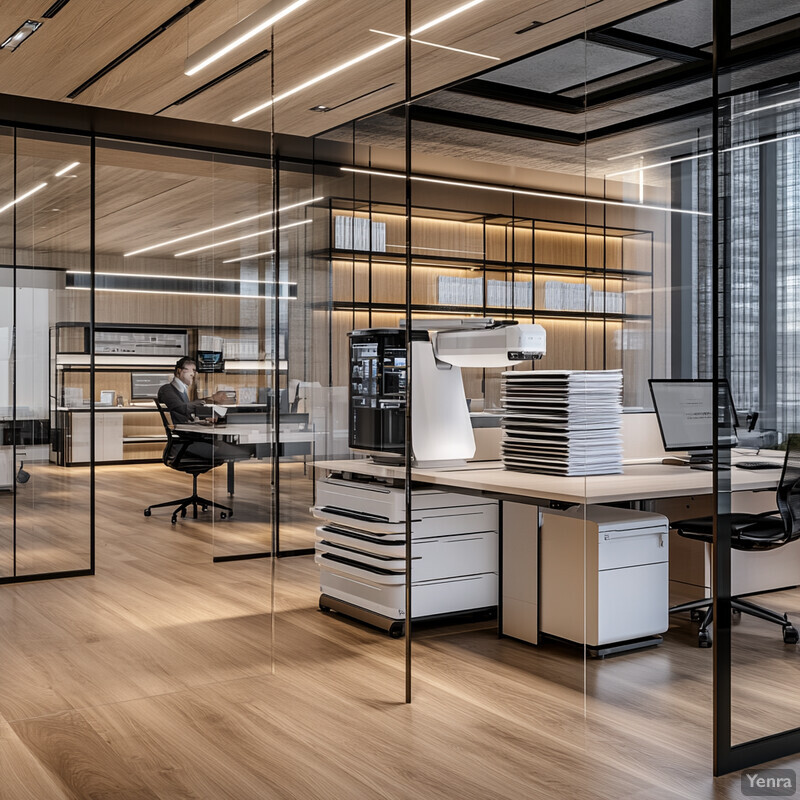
(562, 422)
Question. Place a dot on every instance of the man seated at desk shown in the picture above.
(175, 396)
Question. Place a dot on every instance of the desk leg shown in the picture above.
(230, 477)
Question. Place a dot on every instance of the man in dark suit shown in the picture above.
(175, 396)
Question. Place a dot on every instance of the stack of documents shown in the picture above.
(562, 422)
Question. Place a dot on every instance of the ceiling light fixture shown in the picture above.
(707, 154)
(28, 28)
(660, 147)
(68, 168)
(247, 258)
(356, 60)
(527, 192)
(440, 46)
(240, 33)
(221, 227)
(22, 197)
(178, 277)
(240, 238)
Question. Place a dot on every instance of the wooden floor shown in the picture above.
(168, 676)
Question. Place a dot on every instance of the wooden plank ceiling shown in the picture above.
(85, 36)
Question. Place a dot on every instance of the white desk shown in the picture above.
(300, 442)
(640, 482)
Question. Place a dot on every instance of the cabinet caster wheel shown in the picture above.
(147, 512)
(324, 609)
(396, 630)
(704, 639)
(790, 635)
(222, 515)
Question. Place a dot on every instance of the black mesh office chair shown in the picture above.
(177, 456)
(753, 532)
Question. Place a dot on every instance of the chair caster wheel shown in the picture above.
(790, 635)
(204, 508)
(695, 614)
(222, 515)
(183, 513)
(147, 512)
(704, 639)
(735, 612)
(174, 520)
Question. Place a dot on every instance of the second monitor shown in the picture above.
(684, 411)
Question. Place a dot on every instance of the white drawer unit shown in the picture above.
(361, 547)
(605, 578)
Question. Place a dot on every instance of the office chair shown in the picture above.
(177, 457)
(753, 532)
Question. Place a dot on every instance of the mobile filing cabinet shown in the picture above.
(360, 550)
(604, 578)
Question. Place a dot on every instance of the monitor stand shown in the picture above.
(699, 459)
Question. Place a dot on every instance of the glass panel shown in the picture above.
(7, 455)
(759, 130)
(52, 245)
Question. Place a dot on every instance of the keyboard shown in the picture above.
(757, 465)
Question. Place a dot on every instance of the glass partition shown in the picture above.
(757, 188)
(50, 226)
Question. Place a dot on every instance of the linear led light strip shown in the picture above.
(528, 192)
(356, 60)
(660, 147)
(241, 238)
(698, 156)
(247, 258)
(22, 197)
(184, 294)
(220, 227)
(440, 46)
(179, 277)
(251, 26)
(68, 168)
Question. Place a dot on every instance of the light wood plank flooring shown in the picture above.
(168, 676)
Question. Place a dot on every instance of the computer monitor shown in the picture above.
(145, 385)
(683, 408)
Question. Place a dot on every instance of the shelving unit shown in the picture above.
(504, 255)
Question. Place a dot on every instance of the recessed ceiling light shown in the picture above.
(440, 46)
(67, 169)
(22, 197)
(25, 30)
(527, 192)
(241, 238)
(356, 60)
(247, 258)
(220, 227)
(240, 33)
(319, 108)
